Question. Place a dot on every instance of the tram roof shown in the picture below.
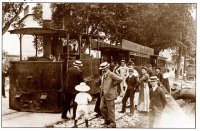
(62, 33)
(33, 31)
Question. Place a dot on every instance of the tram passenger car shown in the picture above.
(127, 50)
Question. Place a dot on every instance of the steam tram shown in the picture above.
(36, 84)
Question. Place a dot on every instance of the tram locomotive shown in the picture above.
(36, 84)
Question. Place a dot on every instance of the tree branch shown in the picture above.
(7, 24)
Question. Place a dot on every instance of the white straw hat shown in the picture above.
(104, 65)
(153, 78)
(78, 63)
(82, 87)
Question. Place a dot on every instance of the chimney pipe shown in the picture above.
(47, 42)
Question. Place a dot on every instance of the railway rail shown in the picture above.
(96, 122)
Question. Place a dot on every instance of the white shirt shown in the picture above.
(82, 98)
(77, 67)
(129, 76)
(135, 73)
(154, 88)
(122, 71)
(166, 75)
(106, 72)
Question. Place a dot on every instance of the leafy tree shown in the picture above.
(163, 26)
(10, 14)
(37, 11)
(159, 26)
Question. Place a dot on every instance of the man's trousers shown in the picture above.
(107, 108)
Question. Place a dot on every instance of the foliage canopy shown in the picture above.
(159, 26)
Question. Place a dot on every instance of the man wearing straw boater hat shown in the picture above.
(108, 94)
(82, 99)
(157, 102)
(73, 77)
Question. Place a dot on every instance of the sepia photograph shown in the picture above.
(98, 65)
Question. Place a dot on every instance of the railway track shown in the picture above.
(12, 118)
(96, 122)
(118, 117)
(69, 122)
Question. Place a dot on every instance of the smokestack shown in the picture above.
(47, 13)
(46, 24)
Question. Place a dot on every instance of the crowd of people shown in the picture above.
(144, 88)
(146, 92)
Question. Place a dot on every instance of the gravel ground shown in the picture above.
(138, 120)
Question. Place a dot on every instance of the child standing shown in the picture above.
(82, 99)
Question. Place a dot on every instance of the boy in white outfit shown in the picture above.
(82, 99)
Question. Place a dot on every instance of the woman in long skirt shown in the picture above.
(144, 101)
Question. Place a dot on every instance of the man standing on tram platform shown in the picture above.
(159, 74)
(73, 77)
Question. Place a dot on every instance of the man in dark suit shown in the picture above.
(161, 79)
(73, 77)
(159, 74)
(131, 81)
(150, 70)
(108, 94)
(157, 102)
